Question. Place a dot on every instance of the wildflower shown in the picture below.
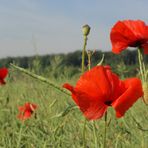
(100, 88)
(3, 74)
(26, 111)
(129, 33)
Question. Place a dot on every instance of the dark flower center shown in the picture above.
(108, 103)
(137, 43)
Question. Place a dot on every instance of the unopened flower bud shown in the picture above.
(85, 30)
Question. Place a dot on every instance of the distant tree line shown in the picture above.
(122, 63)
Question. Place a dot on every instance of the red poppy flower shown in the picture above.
(3, 74)
(26, 110)
(99, 88)
(129, 33)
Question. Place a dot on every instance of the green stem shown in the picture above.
(83, 53)
(20, 135)
(105, 130)
(84, 133)
(89, 54)
(40, 78)
(83, 66)
(95, 134)
(142, 65)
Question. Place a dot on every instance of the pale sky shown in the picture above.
(28, 27)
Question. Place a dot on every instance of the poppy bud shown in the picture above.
(145, 89)
(85, 30)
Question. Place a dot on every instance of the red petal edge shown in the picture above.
(132, 93)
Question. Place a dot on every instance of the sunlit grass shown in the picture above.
(57, 124)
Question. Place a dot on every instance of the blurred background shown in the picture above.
(30, 27)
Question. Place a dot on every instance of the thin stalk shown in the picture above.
(41, 79)
(89, 54)
(83, 69)
(89, 66)
(142, 65)
(83, 54)
(95, 134)
(105, 130)
(143, 74)
(84, 133)
(20, 135)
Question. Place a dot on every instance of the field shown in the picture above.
(73, 74)
(58, 122)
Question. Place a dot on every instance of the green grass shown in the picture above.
(57, 125)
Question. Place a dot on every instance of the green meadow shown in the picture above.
(57, 122)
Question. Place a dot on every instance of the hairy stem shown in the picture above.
(40, 78)
(142, 65)
(84, 133)
(95, 134)
(105, 130)
(83, 54)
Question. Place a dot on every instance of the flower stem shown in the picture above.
(40, 78)
(84, 133)
(89, 54)
(83, 70)
(142, 65)
(95, 134)
(105, 130)
(83, 54)
(20, 135)
(143, 75)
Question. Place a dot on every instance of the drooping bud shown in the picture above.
(145, 89)
(86, 30)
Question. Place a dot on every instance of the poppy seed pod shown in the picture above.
(85, 30)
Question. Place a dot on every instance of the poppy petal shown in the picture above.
(27, 114)
(2, 81)
(145, 47)
(92, 110)
(120, 37)
(91, 91)
(95, 111)
(20, 116)
(21, 108)
(138, 28)
(26, 110)
(117, 86)
(69, 87)
(95, 83)
(33, 107)
(132, 93)
(128, 33)
(3, 73)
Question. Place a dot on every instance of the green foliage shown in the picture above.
(58, 123)
(69, 64)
